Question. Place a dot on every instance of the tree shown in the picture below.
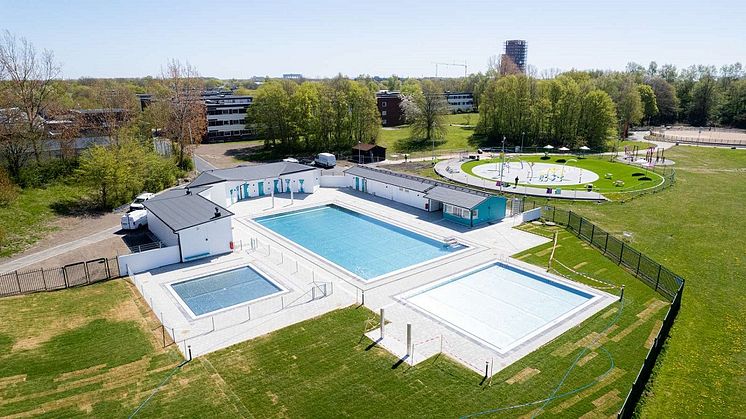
(732, 110)
(183, 112)
(597, 120)
(704, 99)
(629, 106)
(26, 80)
(425, 112)
(119, 105)
(665, 98)
(649, 103)
(271, 113)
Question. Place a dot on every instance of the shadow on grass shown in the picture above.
(253, 153)
(77, 207)
(417, 144)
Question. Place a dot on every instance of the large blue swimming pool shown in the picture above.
(225, 289)
(363, 245)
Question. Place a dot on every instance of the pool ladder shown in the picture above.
(451, 242)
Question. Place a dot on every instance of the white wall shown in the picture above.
(209, 239)
(145, 261)
(384, 190)
(161, 230)
(334, 181)
(531, 215)
(221, 193)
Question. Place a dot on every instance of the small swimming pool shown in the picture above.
(499, 304)
(225, 289)
(363, 245)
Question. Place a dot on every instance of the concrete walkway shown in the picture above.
(457, 175)
(16, 264)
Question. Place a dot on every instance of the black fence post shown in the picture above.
(64, 276)
(18, 282)
(580, 226)
(639, 258)
(43, 279)
(554, 212)
(606, 245)
(87, 276)
(621, 254)
(593, 230)
(658, 278)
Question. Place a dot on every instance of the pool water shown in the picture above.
(360, 244)
(499, 304)
(225, 289)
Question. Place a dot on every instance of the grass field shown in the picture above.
(399, 139)
(96, 351)
(598, 165)
(696, 229)
(27, 219)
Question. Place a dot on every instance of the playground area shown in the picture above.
(534, 173)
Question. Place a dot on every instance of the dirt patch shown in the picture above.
(273, 397)
(79, 373)
(221, 155)
(14, 379)
(522, 376)
(51, 330)
(580, 265)
(607, 380)
(584, 360)
(653, 333)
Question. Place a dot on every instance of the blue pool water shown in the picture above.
(499, 304)
(363, 245)
(214, 292)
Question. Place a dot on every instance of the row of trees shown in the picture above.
(35, 107)
(315, 116)
(565, 110)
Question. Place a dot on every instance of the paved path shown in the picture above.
(34, 258)
(457, 175)
(201, 164)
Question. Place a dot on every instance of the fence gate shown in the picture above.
(97, 270)
(75, 274)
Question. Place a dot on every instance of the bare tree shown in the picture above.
(183, 110)
(118, 105)
(425, 112)
(27, 78)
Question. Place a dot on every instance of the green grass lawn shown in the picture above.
(399, 139)
(600, 165)
(696, 230)
(27, 218)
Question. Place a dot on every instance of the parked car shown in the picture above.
(325, 160)
(137, 203)
(290, 160)
(134, 219)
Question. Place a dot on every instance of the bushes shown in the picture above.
(119, 172)
(8, 190)
(40, 174)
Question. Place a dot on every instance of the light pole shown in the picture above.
(358, 152)
(502, 165)
(522, 134)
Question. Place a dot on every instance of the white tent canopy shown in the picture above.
(548, 147)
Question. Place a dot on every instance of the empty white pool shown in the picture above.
(500, 305)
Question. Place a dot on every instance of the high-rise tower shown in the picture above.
(517, 50)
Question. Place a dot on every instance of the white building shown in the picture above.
(228, 186)
(460, 102)
(226, 117)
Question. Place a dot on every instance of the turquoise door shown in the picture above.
(261, 188)
(301, 185)
(277, 186)
(365, 185)
(357, 183)
(245, 191)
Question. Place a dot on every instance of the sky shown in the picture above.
(240, 39)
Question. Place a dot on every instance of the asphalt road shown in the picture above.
(201, 164)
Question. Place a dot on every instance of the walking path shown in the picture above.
(37, 257)
(455, 174)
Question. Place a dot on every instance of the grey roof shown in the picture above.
(434, 189)
(456, 197)
(260, 171)
(179, 210)
(392, 178)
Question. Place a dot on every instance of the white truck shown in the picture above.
(325, 160)
(134, 219)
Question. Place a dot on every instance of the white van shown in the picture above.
(137, 203)
(325, 160)
(134, 219)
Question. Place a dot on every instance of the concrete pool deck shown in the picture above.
(301, 271)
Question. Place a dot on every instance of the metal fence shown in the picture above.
(72, 275)
(664, 136)
(656, 276)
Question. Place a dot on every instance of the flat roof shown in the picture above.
(366, 147)
(434, 189)
(180, 209)
(391, 178)
(260, 171)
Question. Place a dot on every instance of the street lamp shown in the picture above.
(502, 165)
(522, 134)
(358, 152)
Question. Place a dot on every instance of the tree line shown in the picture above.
(331, 115)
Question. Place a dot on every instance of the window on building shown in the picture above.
(456, 211)
(383, 113)
(383, 121)
(383, 104)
